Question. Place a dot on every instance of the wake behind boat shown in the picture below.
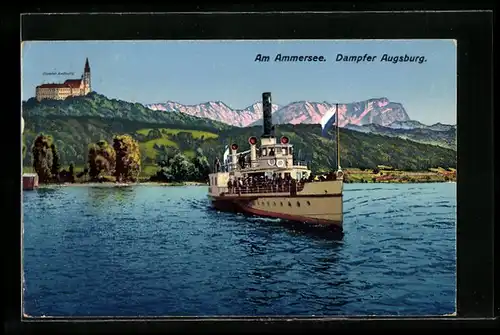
(266, 181)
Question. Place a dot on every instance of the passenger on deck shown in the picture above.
(275, 183)
(267, 184)
(271, 152)
(280, 182)
(217, 165)
(331, 176)
(241, 161)
(293, 187)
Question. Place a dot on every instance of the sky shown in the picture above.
(192, 72)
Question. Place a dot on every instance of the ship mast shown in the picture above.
(338, 137)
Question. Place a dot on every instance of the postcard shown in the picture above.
(239, 178)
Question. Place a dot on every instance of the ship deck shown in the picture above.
(269, 190)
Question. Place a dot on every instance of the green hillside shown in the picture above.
(444, 138)
(360, 150)
(72, 136)
(95, 105)
(77, 122)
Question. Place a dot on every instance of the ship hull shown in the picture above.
(324, 210)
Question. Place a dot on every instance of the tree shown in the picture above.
(128, 158)
(201, 166)
(101, 160)
(154, 134)
(56, 165)
(181, 168)
(184, 139)
(42, 157)
(24, 148)
(166, 154)
(71, 173)
(164, 174)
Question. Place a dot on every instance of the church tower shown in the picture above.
(87, 87)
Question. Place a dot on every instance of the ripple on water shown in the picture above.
(162, 251)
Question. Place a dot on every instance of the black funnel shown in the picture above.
(267, 110)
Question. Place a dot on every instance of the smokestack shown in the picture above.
(267, 106)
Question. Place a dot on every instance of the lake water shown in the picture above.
(153, 250)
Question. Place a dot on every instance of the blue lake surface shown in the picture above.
(161, 251)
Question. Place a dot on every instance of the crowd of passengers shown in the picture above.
(276, 183)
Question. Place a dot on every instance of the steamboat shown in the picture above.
(267, 181)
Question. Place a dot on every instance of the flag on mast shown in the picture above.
(327, 120)
(337, 138)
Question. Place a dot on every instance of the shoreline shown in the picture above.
(352, 176)
(112, 184)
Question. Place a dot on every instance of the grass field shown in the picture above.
(148, 170)
(148, 150)
(189, 153)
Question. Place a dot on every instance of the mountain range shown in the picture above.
(378, 116)
(216, 110)
(380, 111)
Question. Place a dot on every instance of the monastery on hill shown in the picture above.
(71, 87)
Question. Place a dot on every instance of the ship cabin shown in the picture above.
(270, 168)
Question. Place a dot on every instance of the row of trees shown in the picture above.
(176, 167)
(121, 160)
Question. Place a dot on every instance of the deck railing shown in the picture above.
(260, 187)
(263, 188)
(236, 167)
